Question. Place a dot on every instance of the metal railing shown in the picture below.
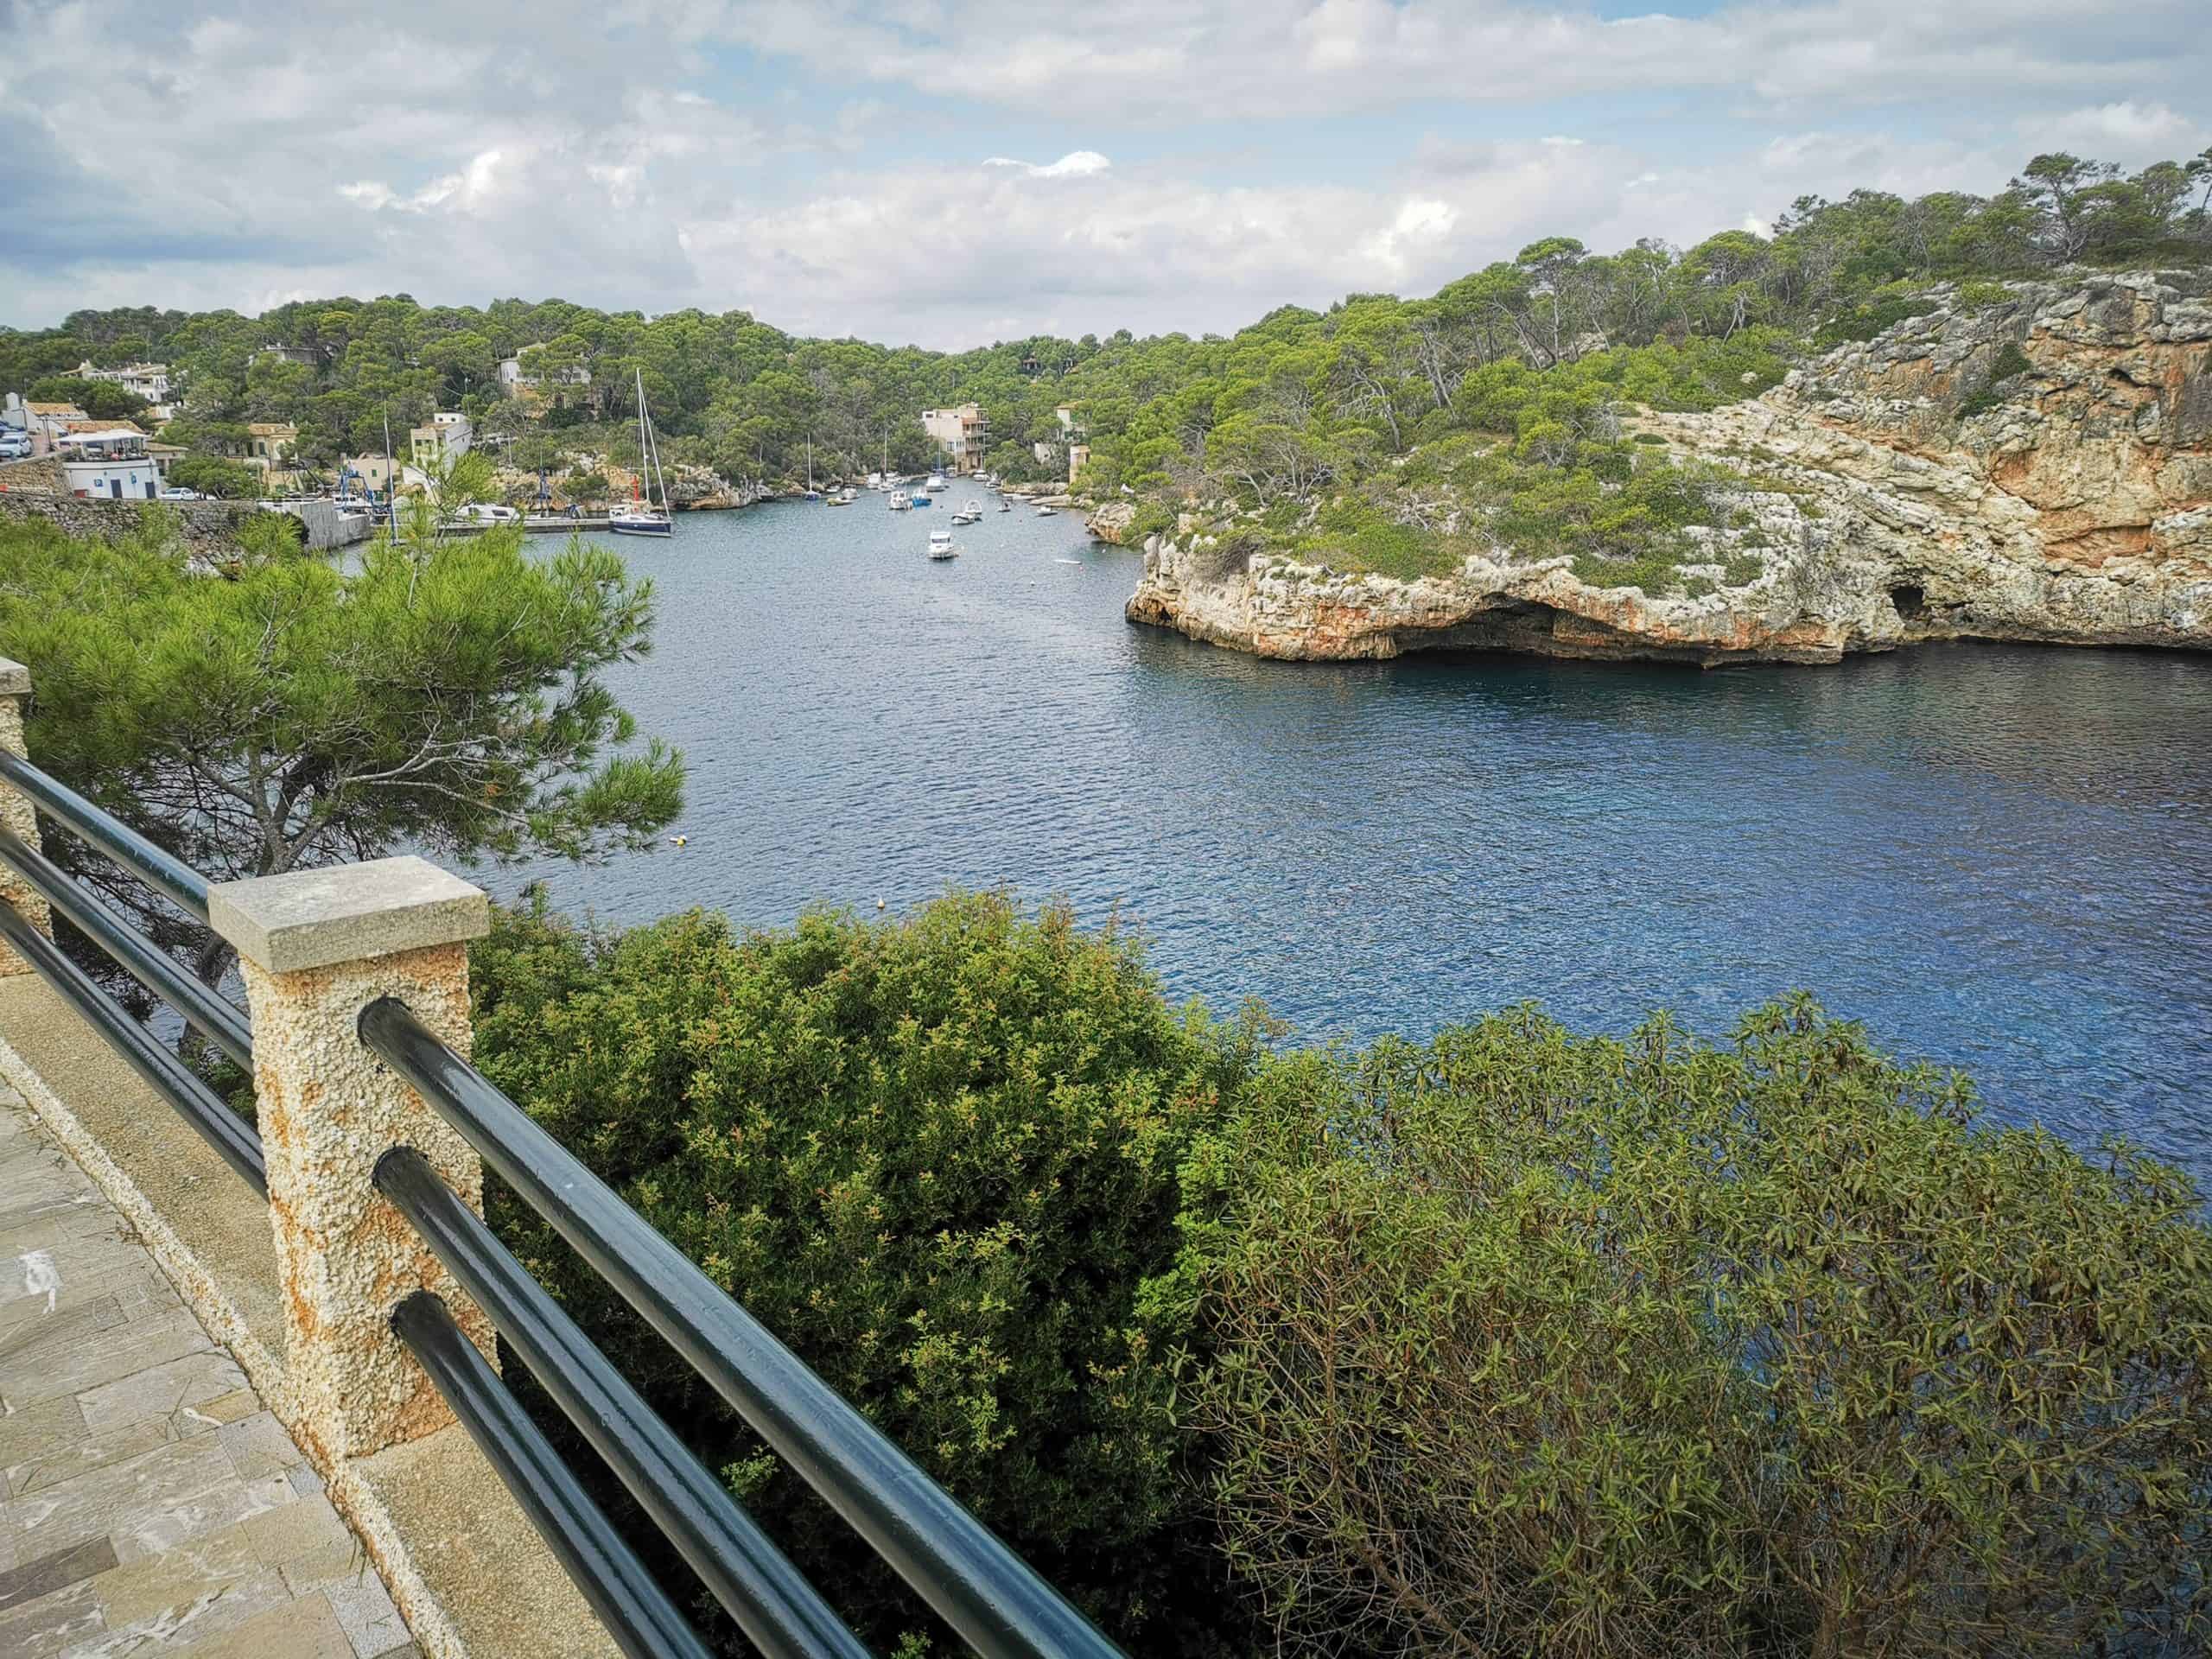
(997, 1604)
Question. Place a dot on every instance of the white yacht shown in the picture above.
(941, 545)
(638, 516)
(936, 483)
(1048, 512)
(899, 503)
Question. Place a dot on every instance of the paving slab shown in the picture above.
(149, 1503)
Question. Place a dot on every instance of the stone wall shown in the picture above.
(207, 527)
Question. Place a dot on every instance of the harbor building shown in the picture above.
(104, 461)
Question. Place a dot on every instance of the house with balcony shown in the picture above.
(448, 435)
(149, 380)
(962, 433)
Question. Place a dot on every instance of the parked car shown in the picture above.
(177, 493)
(15, 446)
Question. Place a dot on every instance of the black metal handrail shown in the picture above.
(778, 1611)
(232, 1137)
(154, 969)
(161, 870)
(636, 1611)
(995, 1600)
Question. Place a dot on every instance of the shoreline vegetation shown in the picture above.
(1514, 1340)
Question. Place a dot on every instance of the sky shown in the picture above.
(953, 174)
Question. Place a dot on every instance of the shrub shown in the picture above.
(1525, 1343)
(1981, 295)
(937, 1158)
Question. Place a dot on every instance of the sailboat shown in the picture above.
(812, 494)
(638, 516)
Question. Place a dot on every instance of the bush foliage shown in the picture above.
(938, 1158)
(1510, 1341)
(1525, 1343)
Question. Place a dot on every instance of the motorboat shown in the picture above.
(941, 545)
(936, 483)
(1048, 512)
(1006, 506)
(899, 502)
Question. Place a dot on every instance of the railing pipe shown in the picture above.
(778, 1611)
(223, 1024)
(995, 1600)
(636, 1612)
(233, 1138)
(164, 872)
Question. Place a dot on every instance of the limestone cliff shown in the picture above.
(2037, 467)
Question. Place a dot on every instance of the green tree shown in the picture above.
(447, 698)
(211, 475)
(937, 1158)
(103, 400)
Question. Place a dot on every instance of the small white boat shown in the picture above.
(936, 483)
(974, 507)
(941, 545)
(1006, 506)
(899, 503)
(1048, 512)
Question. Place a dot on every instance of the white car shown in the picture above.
(178, 492)
(15, 446)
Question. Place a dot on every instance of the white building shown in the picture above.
(149, 380)
(108, 463)
(513, 379)
(447, 438)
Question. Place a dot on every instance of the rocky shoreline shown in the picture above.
(2036, 468)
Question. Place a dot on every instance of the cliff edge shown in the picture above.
(2034, 467)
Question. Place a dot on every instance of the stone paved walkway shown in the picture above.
(148, 1503)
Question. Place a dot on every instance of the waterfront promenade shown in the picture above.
(149, 1502)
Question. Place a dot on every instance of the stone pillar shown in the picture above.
(316, 947)
(16, 811)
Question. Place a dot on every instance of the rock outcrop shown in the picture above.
(2037, 467)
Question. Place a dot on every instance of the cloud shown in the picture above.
(808, 160)
(1076, 164)
(2126, 131)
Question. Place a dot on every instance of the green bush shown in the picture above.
(937, 1158)
(1522, 1342)
(1981, 295)
(2010, 362)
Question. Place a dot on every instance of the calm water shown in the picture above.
(1998, 858)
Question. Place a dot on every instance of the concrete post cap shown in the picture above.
(15, 679)
(312, 918)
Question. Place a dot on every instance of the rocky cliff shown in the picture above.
(2033, 466)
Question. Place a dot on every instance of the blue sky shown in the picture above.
(951, 174)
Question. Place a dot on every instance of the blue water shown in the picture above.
(1998, 858)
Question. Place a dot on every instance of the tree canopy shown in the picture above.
(292, 711)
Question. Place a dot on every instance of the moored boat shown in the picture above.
(941, 545)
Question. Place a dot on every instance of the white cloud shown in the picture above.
(1076, 164)
(2126, 131)
(777, 154)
